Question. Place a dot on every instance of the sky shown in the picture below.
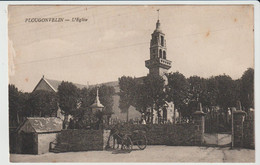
(114, 41)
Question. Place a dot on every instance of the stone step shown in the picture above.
(59, 148)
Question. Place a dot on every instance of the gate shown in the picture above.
(218, 121)
(217, 139)
(217, 128)
(211, 122)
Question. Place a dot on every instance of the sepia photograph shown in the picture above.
(131, 83)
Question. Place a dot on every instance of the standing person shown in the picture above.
(143, 119)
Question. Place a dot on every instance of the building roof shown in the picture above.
(54, 84)
(41, 124)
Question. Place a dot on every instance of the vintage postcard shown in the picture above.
(131, 83)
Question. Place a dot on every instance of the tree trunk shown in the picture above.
(66, 118)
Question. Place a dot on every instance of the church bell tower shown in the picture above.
(158, 63)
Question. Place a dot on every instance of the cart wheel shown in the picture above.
(142, 142)
(127, 144)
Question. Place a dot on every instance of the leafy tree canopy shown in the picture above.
(226, 91)
(43, 103)
(154, 90)
(127, 87)
(69, 97)
(247, 89)
(178, 90)
(17, 105)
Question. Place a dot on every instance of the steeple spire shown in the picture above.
(97, 96)
(158, 28)
(97, 103)
(158, 63)
(158, 11)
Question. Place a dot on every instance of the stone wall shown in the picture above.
(249, 133)
(167, 134)
(157, 134)
(244, 132)
(82, 140)
(182, 134)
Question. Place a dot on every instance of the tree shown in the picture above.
(212, 92)
(197, 90)
(226, 91)
(69, 98)
(204, 91)
(226, 97)
(17, 101)
(83, 117)
(141, 101)
(85, 99)
(154, 93)
(247, 89)
(43, 103)
(178, 91)
(127, 87)
(237, 90)
(106, 94)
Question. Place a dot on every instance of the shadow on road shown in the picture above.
(120, 151)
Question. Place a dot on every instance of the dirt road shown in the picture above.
(150, 154)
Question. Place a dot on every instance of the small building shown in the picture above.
(35, 134)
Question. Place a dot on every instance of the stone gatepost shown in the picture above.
(106, 134)
(238, 120)
(199, 122)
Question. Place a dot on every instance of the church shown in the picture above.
(157, 65)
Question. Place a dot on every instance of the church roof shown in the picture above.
(54, 84)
